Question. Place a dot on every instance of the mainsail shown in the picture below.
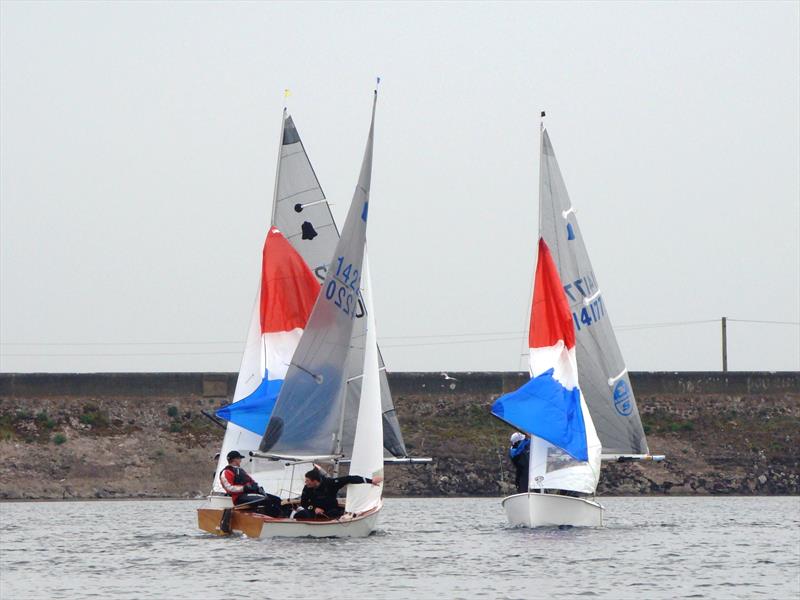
(301, 211)
(308, 416)
(603, 375)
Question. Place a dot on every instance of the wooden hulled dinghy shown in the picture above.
(312, 386)
(254, 525)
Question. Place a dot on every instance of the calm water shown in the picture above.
(443, 548)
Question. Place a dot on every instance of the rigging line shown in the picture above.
(515, 334)
(123, 354)
(617, 328)
(795, 323)
(503, 339)
(117, 343)
(445, 335)
(662, 325)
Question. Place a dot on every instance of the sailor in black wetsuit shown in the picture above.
(519, 453)
(318, 500)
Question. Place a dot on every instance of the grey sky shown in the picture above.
(139, 143)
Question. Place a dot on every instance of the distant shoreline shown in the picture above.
(145, 436)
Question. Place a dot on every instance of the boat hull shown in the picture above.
(551, 510)
(254, 525)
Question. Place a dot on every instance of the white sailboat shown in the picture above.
(579, 406)
(332, 347)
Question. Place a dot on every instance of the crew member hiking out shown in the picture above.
(519, 453)
(318, 500)
(244, 490)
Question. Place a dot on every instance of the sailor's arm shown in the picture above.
(340, 482)
(228, 485)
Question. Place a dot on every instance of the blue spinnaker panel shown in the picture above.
(252, 412)
(545, 408)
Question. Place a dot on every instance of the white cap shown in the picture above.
(516, 437)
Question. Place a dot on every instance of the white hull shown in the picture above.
(345, 527)
(551, 510)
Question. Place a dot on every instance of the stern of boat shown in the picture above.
(552, 510)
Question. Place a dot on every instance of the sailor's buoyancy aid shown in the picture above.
(240, 477)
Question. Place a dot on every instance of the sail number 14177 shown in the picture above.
(589, 314)
(342, 289)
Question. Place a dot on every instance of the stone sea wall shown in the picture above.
(144, 434)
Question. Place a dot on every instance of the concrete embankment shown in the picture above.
(144, 435)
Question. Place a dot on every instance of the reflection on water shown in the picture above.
(444, 548)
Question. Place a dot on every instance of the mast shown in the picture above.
(541, 163)
(343, 391)
(278, 167)
(526, 331)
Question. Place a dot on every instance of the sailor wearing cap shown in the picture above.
(244, 490)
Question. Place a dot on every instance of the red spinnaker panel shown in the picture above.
(551, 319)
(288, 287)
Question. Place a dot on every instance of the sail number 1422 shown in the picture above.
(342, 289)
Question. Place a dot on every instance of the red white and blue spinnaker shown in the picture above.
(565, 449)
(287, 292)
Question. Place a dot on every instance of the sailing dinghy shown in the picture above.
(579, 406)
(279, 320)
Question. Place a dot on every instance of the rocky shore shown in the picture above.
(145, 435)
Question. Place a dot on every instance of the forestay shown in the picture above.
(301, 211)
(308, 415)
(367, 457)
(603, 375)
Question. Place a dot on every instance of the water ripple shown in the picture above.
(443, 548)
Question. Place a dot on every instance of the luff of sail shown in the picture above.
(367, 457)
(603, 375)
(307, 418)
(302, 212)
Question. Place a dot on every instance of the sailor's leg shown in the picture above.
(304, 513)
(271, 506)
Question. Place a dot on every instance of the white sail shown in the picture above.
(367, 457)
(239, 438)
(552, 468)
